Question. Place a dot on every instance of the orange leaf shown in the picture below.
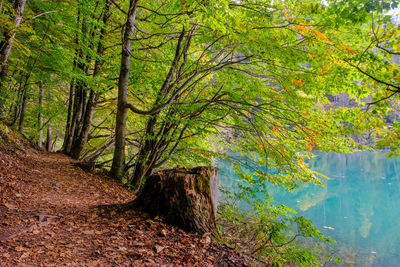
(309, 147)
(298, 82)
(321, 35)
(276, 133)
(6, 255)
(19, 248)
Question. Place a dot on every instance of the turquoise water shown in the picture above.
(359, 206)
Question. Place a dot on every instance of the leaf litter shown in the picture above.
(53, 213)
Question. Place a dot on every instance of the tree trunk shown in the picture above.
(76, 116)
(5, 49)
(119, 151)
(21, 123)
(40, 115)
(76, 86)
(17, 106)
(48, 140)
(80, 140)
(81, 112)
(69, 113)
(186, 198)
(53, 146)
(9, 38)
(146, 156)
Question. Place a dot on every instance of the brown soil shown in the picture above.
(49, 216)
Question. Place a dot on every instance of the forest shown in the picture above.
(148, 95)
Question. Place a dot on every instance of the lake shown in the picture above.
(359, 206)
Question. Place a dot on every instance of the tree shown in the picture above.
(9, 35)
(7, 42)
(369, 48)
(119, 151)
(80, 121)
(203, 88)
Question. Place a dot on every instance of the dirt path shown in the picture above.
(48, 218)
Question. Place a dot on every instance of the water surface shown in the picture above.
(359, 206)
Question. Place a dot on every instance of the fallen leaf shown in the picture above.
(88, 232)
(163, 232)
(206, 239)
(19, 248)
(158, 248)
(24, 255)
(48, 246)
(10, 206)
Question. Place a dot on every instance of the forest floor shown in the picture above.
(49, 216)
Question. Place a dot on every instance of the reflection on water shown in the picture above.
(359, 206)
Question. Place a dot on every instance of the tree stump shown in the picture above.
(186, 198)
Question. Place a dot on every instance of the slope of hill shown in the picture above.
(49, 215)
